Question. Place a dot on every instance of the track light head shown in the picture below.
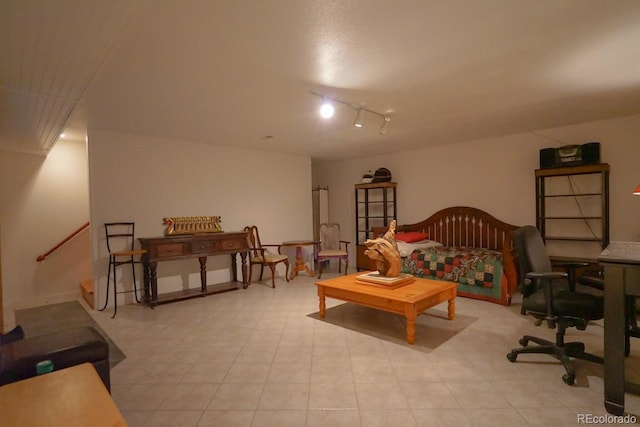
(326, 109)
(358, 120)
(384, 129)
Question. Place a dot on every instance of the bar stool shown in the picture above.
(121, 234)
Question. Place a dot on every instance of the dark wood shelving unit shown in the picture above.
(375, 207)
(559, 214)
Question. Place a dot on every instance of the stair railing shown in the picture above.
(65, 240)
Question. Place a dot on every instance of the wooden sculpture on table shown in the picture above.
(384, 251)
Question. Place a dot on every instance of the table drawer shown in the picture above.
(202, 247)
(231, 244)
(171, 249)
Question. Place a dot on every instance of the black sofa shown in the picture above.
(19, 355)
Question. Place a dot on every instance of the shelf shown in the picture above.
(376, 185)
(374, 202)
(572, 195)
(571, 217)
(197, 292)
(574, 239)
(574, 190)
(573, 170)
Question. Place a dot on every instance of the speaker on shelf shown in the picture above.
(570, 155)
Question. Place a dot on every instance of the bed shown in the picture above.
(464, 245)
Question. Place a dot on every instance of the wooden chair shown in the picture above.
(331, 247)
(259, 254)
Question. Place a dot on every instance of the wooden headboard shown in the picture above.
(463, 226)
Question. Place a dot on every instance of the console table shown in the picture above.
(201, 246)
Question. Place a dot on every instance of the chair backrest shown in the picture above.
(329, 236)
(253, 239)
(120, 235)
(532, 254)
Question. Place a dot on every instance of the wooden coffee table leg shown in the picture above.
(451, 309)
(323, 306)
(410, 314)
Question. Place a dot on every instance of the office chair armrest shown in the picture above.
(571, 267)
(547, 279)
(570, 264)
(594, 282)
(548, 275)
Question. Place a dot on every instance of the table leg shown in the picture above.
(410, 314)
(146, 282)
(451, 308)
(234, 273)
(203, 273)
(300, 265)
(323, 304)
(243, 257)
(154, 282)
(614, 384)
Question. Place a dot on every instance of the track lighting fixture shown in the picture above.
(384, 129)
(358, 120)
(327, 110)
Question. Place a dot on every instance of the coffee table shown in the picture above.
(408, 300)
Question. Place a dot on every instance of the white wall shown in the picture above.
(144, 179)
(496, 175)
(42, 201)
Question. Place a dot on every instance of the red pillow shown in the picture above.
(412, 236)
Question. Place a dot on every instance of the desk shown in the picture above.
(74, 396)
(300, 264)
(621, 261)
(199, 246)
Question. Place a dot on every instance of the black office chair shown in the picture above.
(121, 235)
(549, 298)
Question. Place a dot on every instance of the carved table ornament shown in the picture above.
(192, 224)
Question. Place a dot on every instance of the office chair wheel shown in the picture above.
(568, 379)
(523, 342)
(512, 357)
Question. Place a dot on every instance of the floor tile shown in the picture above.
(264, 357)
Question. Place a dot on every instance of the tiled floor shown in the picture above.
(263, 357)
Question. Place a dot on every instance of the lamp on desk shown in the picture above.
(637, 191)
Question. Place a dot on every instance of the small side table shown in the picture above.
(300, 264)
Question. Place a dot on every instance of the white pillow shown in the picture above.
(405, 249)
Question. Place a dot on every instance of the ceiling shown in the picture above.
(242, 72)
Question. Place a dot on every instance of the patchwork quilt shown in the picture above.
(478, 272)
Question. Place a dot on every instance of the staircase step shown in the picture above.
(87, 291)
